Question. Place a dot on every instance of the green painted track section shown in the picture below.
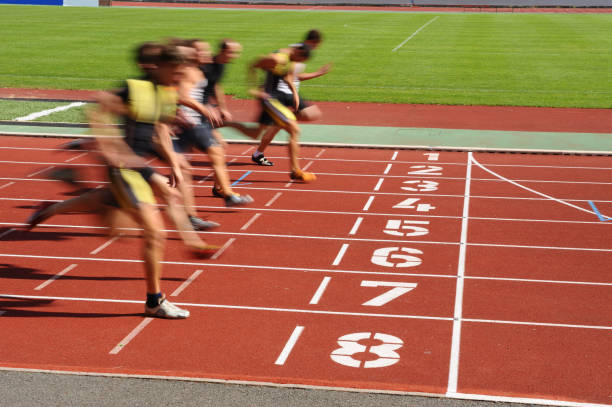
(400, 137)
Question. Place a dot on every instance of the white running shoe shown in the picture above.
(166, 310)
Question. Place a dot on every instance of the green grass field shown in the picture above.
(561, 60)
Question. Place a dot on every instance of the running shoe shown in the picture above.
(78, 144)
(39, 215)
(201, 224)
(300, 175)
(238, 200)
(261, 160)
(65, 174)
(217, 192)
(166, 309)
(205, 252)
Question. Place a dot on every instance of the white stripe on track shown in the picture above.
(186, 283)
(131, 336)
(295, 335)
(55, 277)
(47, 112)
(319, 293)
(415, 33)
(223, 248)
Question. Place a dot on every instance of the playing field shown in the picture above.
(533, 59)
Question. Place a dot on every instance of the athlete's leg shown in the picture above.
(309, 113)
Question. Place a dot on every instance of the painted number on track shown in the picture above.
(350, 346)
(425, 170)
(421, 185)
(409, 204)
(384, 255)
(397, 290)
(408, 228)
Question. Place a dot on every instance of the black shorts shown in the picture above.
(200, 137)
(287, 100)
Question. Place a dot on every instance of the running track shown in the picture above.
(403, 271)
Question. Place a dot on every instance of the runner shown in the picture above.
(279, 66)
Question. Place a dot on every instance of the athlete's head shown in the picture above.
(202, 50)
(228, 51)
(170, 66)
(147, 56)
(313, 38)
(299, 53)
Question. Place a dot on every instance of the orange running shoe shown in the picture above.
(300, 175)
(205, 252)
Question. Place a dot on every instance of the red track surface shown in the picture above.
(535, 318)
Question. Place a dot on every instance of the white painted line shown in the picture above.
(55, 277)
(250, 221)
(320, 153)
(233, 160)
(432, 156)
(274, 198)
(42, 113)
(186, 283)
(367, 205)
(7, 185)
(288, 184)
(150, 161)
(340, 254)
(379, 184)
(415, 33)
(39, 171)
(6, 232)
(530, 280)
(453, 370)
(76, 157)
(322, 287)
(522, 400)
(387, 169)
(223, 248)
(307, 166)
(356, 226)
(247, 150)
(531, 190)
(206, 178)
(105, 245)
(394, 156)
(282, 358)
(131, 336)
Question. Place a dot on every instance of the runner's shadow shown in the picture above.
(13, 272)
(14, 307)
(24, 235)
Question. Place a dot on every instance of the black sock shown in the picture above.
(153, 300)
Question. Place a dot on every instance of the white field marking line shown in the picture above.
(415, 33)
(453, 370)
(530, 280)
(206, 178)
(352, 239)
(394, 156)
(379, 184)
(6, 232)
(366, 207)
(7, 185)
(319, 293)
(131, 336)
(38, 172)
(288, 184)
(340, 254)
(356, 225)
(274, 198)
(386, 171)
(223, 248)
(250, 221)
(55, 277)
(295, 335)
(307, 166)
(320, 153)
(76, 157)
(233, 160)
(522, 400)
(247, 150)
(190, 280)
(531, 190)
(47, 112)
(105, 245)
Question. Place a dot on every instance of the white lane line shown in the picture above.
(288, 184)
(76, 157)
(523, 400)
(386, 171)
(47, 112)
(247, 150)
(223, 248)
(131, 336)
(367, 205)
(320, 153)
(186, 283)
(530, 280)
(105, 245)
(340, 254)
(394, 156)
(55, 277)
(38, 172)
(453, 370)
(319, 293)
(274, 198)
(295, 335)
(356, 225)
(7, 184)
(6, 232)
(206, 178)
(415, 33)
(379, 184)
(250, 221)
(307, 166)
(529, 189)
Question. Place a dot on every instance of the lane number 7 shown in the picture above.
(397, 290)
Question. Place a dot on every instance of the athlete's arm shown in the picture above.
(296, 98)
(212, 116)
(311, 75)
(164, 144)
(220, 96)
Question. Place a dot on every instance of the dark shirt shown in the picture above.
(213, 73)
